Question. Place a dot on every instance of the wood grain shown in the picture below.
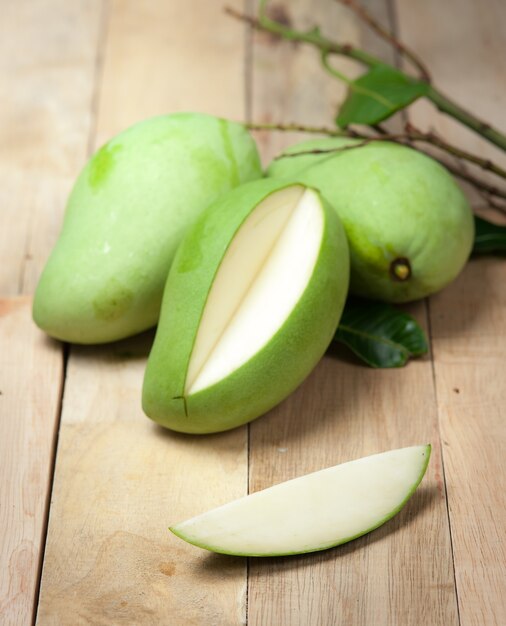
(468, 333)
(466, 59)
(402, 573)
(162, 57)
(30, 385)
(287, 82)
(47, 71)
(77, 73)
(120, 480)
(48, 54)
(468, 319)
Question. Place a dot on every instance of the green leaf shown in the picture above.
(377, 95)
(380, 334)
(488, 237)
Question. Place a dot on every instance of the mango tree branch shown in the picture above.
(312, 37)
(402, 138)
(368, 19)
(443, 103)
(479, 184)
(453, 109)
(486, 164)
(327, 46)
(411, 134)
(302, 128)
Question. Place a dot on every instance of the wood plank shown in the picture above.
(32, 371)
(120, 480)
(466, 60)
(468, 326)
(469, 317)
(47, 66)
(402, 572)
(344, 411)
(287, 81)
(161, 59)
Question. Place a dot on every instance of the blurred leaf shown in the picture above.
(488, 237)
(380, 334)
(377, 95)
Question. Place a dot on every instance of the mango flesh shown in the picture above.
(252, 301)
(313, 512)
(126, 215)
(409, 226)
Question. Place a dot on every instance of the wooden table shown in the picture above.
(89, 485)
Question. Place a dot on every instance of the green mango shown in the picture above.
(252, 301)
(409, 226)
(126, 215)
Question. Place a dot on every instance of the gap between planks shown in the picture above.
(441, 451)
(108, 421)
(402, 64)
(367, 583)
(467, 317)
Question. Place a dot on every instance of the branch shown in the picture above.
(453, 109)
(312, 37)
(302, 128)
(492, 204)
(435, 140)
(368, 19)
(411, 134)
(401, 138)
(327, 46)
(352, 85)
(487, 197)
(476, 182)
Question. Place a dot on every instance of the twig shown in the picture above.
(491, 203)
(352, 146)
(381, 130)
(302, 128)
(435, 140)
(411, 134)
(327, 46)
(461, 171)
(352, 85)
(312, 37)
(403, 138)
(368, 19)
(359, 144)
(336, 73)
(453, 109)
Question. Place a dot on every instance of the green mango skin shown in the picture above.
(395, 203)
(126, 215)
(277, 368)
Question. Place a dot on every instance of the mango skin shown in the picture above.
(395, 203)
(126, 215)
(281, 365)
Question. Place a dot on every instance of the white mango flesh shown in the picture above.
(313, 512)
(261, 278)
